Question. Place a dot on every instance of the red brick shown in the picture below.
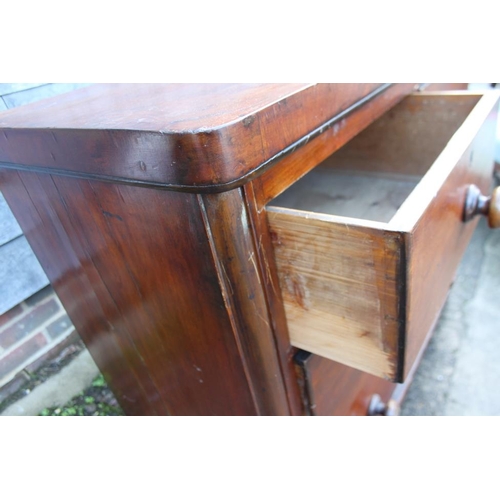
(58, 351)
(28, 323)
(21, 354)
(10, 314)
(59, 326)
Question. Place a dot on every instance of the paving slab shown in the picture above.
(475, 384)
(59, 389)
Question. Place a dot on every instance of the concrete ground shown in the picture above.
(459, 373)
(58, 389)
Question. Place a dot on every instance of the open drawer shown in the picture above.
(368, 242)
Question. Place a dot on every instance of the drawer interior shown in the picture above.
(367, 243)
(374, 174)
(375, 196)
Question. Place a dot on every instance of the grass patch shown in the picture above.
(97, 400)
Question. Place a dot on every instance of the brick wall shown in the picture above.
(29, 331)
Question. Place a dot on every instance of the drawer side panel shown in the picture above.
(440, 237)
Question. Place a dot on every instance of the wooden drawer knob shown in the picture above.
(478, 204)
(377, 408)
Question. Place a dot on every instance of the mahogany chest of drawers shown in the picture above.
(264, 249)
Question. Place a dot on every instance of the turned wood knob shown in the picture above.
(378, 408)
(478, 204)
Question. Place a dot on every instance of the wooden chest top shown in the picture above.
(192, 137)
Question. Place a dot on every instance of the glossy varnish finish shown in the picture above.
(234, 251)
(184, 137)
(296, 164)
(439, 237)
(176, 291)
(272, 291)
(333, 389)
(137, 275)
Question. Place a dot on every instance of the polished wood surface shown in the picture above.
(333, 389)
(271, 288)
(367, 293)
(292, 167)
(438, 236)
(494, 209)
(171, 108)
(234, 252)
(166, 255)
(476, 203)
(188, 137)
(137, 274)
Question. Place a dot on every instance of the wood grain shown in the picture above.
(367, 294)
(186, 299)
(342, 285)
(134, 269)
(409, 137)
(438, 237)
(271, 289)
(191, 137)
(291, 168)
(333, 389)
(68, 271)
(175, 294)
(494, 210)
(234, 251)
(441, 87)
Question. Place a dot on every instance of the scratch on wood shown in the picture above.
(268, 273)
(251, 258)
(228, 281)
(263, 319)
(266, 264)
(112, 216)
